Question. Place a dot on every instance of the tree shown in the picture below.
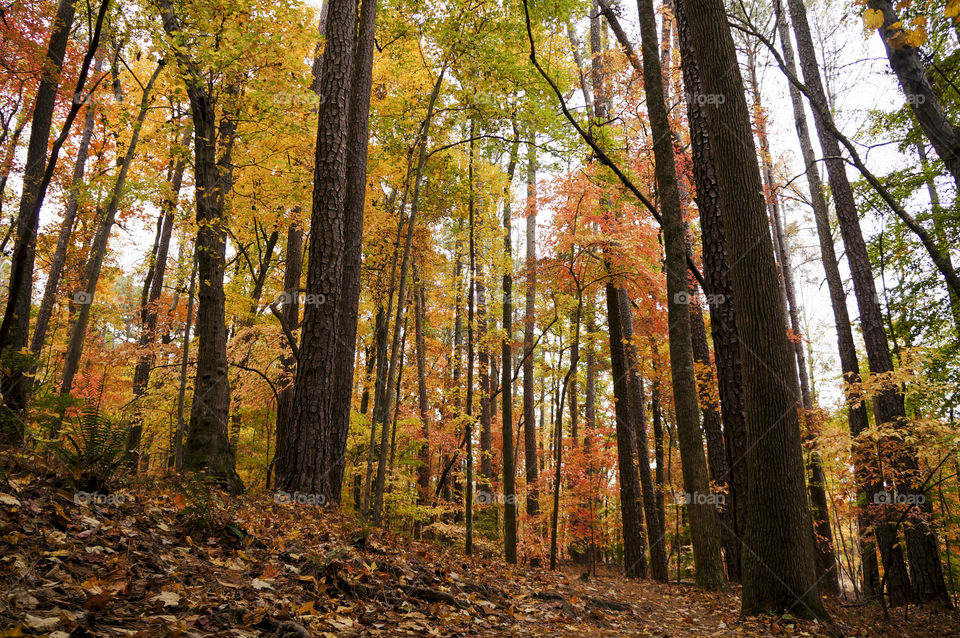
(778, 568)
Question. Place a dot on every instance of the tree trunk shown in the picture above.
(780, 561)
(529, 399)
(15, 387)
(922, 99)
(723, 313)
(635, 564)
(703, 524)
(656, 534)
(312, 458)
(823, 534)
(506, 370)
(423, 403)
(292, 270)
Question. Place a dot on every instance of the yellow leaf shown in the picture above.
(953, 9)
(916, 37)
(873, 18)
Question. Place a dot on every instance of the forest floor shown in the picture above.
(152, 561)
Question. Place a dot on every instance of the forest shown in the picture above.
(479, 317)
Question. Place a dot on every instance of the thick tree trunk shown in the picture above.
(703, 525)
(723, 313)
(779, 567)
(823, 534)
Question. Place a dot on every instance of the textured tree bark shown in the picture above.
(312, 457)
(703, 525)
(856, 410)
(823, 534)
(723, 310)
(506, 370)
(529, 397)
(635, 563)
(888, 405)
(15, 329)
(779, 567)
(358, 127)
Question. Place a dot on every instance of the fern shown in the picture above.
(93, 448)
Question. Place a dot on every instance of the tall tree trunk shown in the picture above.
(529, 319)
(471, 345)
(656, 534)
(888, 405)
(506, 370)
(780, 562)
(703, 525)
(292, 270)
(312, 459)
(358, 127)
(207, 447)
(823, 534)
(14, 331)
(635, 564)
(856, 410)
(723, 312)
(483, 360)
